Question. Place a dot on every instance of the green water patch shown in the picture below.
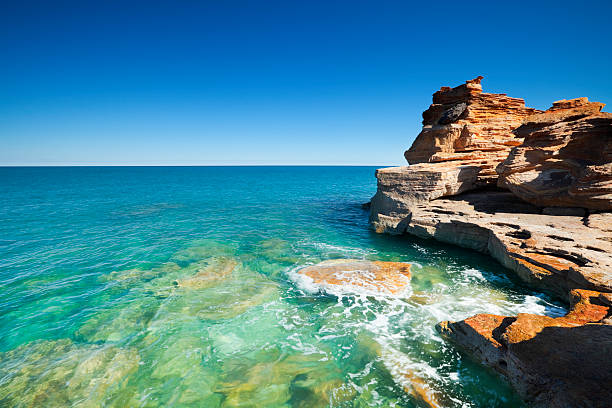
(224, 324)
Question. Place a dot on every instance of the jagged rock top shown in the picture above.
(447, 95)
(469, 126)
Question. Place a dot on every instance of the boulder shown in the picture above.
(565, 159)
(401, 188)
(551, 362)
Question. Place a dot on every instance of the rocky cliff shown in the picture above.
(546, 221)
(565, 158)
(467, 127)
(466, 134)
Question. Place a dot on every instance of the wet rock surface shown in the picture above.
(371, 276)
(539, 356)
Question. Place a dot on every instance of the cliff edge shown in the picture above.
(533, 189)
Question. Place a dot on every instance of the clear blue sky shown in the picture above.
(273, 82)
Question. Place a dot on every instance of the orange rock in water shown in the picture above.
(551, 362)
(373, 276)
(421, 391)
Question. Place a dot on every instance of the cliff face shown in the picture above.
(468, 127)
(557, 166)
(565, 158)
(466, 134)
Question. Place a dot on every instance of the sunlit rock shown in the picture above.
(466, 134)
(388, 278)
(565, 159)
(552, 253)
(558, 362)
(467, 127)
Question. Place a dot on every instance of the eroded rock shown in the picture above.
(470, 128)
(551, 253)
(565, 159)
(387, 278)
(466, 134)
(564, 164)
(551, 362)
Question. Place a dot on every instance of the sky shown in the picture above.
(273, 82)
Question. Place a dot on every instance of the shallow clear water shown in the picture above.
(176, 286)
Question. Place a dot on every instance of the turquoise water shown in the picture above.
(175, 286)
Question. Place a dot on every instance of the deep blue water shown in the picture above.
(98, 306)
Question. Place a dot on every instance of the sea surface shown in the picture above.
(176, 287)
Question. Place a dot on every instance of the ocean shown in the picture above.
(176, 287)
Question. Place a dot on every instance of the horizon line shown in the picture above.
(197, 165)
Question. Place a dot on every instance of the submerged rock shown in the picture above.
(388, 278)
(565, 159)
(421, 391)
(299, 380)
(115, 324)
(208, 273)
(551, 362)
(62, 373)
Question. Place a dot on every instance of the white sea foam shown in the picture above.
(392, 319)
(355, 282)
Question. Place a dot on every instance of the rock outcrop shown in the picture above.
(551, 229)
(386, 278)
(552, 362)
(565, 159)
(466, 134)
(468, 127)
(556, 248)
(552, 253)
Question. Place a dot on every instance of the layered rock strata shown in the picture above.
(565, 158)
(552, 362)
(551, 229)
(556, 248)
(466, 134)
(468, 127)
(552, 253)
